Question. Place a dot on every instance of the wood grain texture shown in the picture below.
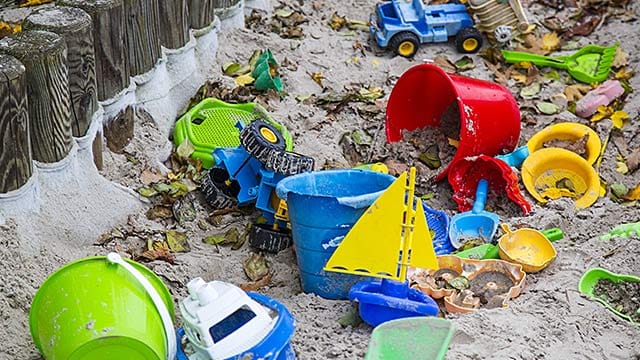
(112, 73)
(142, 29)
(15, 150)
(174, 23)
(74, 25)
(201, 13)
(223, 4)
(44, 56)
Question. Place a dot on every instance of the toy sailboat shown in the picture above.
(391, 236)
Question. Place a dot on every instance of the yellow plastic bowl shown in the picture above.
(527, 247)
(567, 131)
(544, 169)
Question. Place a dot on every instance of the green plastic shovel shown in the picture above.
(589, 65)
(590, 279)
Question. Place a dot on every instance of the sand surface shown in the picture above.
(549, 320)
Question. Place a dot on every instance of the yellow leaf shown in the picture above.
(453, 142)
(523, 65)
(623, 74)
(375, 63)
(550, 41)
(317, 77)
(521, 78)
(618, 118)
(633, 194)
(621, 167)
(603, 112)
(621, 58)
(243, 80)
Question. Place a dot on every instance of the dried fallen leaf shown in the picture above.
(255, 267)
(603, 111)
(633, 160)
(337, 22)
(444, 63)
(146, 192)
(185, 149)
(317, 77)
(633, 194)
(148, 177)
(531, 91)
(548, 108)
(621, 58)
(177, 241)
(623, 74)
(550, 41)
(159, 212)
(576, 91)
(256, 285)
(243, 80)
(618, 118)
(464, 63)
(160, 251)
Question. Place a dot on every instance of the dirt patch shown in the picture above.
(624, 296)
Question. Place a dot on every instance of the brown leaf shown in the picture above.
(255, 267)
(444, 63)
(500, 77)
(633, 160)
(396, 168)
(575, 92)
(148, 177)
(621, 58)
(337, 22)
(160, 251)
(256, 285)
(584, 26)
(159, 212)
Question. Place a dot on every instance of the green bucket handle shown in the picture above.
(167, 322)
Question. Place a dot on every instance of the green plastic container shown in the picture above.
(211, 124)
(424, 338)
(92, 309)
(590, 279)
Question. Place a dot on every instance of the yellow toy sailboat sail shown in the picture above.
(389, 237)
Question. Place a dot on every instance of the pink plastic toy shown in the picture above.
(602, 95)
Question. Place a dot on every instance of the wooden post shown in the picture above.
(15, 151)
(112, 74)
(224, 4)
(174, 23)
(201, 13)
(43, 54)
(74, 25)
(142, 29)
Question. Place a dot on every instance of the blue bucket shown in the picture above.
(323, 206)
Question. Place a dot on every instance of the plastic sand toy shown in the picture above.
(590, 64)
(527, 247)
(467, 285)
(589, 286)
(223, 322)
(491, 251)
(569, 133)
(424, 338)
(602, 95)
(622, 230)
(476, 223)
(391, 236)
(486, 113)
(211, 124)
(553, 173)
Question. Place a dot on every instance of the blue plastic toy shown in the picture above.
(403, 26)
(248, 174)
(224, 322)
(476, 223)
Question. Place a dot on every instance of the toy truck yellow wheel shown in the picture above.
(468, 40)
(404, 44)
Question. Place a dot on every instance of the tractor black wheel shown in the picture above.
(468, 40)
(219, 192)
(289, 163)
(264, 237)
(404, 44)
(260, 138)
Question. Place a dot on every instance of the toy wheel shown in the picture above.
(260, 138)
(468, 40)
(264, 237)
(289, 163)
(503, 33)
(404, 44)
(218, 190)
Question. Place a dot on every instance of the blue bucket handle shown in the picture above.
(481, 196)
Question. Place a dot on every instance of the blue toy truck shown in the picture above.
(403, 26)
(248, 174)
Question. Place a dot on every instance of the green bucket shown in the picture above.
(425, 338)
(103, 308)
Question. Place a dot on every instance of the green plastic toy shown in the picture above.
(491, 251)
(589, 65)
(622, 230)
(211, 124)
(590, 279)
(424, 338)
